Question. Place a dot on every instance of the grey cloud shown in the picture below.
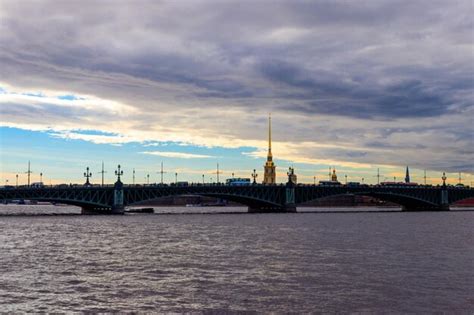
(372, 69)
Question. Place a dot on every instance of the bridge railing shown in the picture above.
(69, 186)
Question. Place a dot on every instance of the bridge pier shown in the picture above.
(102, 211)
(270, 209)
(444, 207)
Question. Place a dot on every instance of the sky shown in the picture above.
(355, 85)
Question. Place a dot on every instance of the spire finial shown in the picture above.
(269, 132)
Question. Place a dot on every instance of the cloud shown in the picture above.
(178, 155)
(376, 82)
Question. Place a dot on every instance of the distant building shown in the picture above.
(407, 176)
(269, 175)
(334, 176)
(332, 179)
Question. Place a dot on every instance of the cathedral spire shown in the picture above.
(269, 175)
(269, 137)
(407, 176)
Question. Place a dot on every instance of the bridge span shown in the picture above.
(258, 197)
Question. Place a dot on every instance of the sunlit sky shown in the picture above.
(355, 85)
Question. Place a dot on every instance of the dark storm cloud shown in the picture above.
(327, 94)
(380, 70)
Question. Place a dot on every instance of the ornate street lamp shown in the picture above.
(87, 175)
(118, 172)
(254, 176)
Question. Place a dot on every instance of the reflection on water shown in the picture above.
(361, 262)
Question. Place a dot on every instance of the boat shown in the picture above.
(140, 210)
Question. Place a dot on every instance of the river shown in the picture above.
(419, 262)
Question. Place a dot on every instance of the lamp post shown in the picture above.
(161, 172)
(232, 174)
(346, 178)
(119, 173)
(41, 177)
(133, 176)
(217, 173)
(29, 173)
(378, 176)
(203, 179)
(362, 180)
(254, 176)
(176, 178)
(314, 180)
(102, 172)
(16, 180)
(148, 179)
(87, 175)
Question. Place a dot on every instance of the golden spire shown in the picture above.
(269, 175)
(270, 135)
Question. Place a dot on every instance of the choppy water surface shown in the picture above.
(353, 262)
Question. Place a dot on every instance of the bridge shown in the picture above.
(258, 197)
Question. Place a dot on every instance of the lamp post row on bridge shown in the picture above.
(254, 175)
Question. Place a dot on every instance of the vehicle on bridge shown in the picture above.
(356, 184)
(238, 181)
(37, 185)
(329, 183)
(397, 184)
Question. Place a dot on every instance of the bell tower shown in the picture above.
(269, 174)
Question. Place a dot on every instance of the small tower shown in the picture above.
(269, 174)
(407, 176)
(334, 176)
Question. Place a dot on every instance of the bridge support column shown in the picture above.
(117, 207)
(288, 206)
(426, 208)
(270, 209)
(97, 210)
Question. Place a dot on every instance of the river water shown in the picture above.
(308, 262)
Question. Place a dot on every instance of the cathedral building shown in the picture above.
(269, 175)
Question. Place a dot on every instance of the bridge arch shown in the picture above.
(79, 203)
(249, 201)
(460, 199)
(405, 201)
